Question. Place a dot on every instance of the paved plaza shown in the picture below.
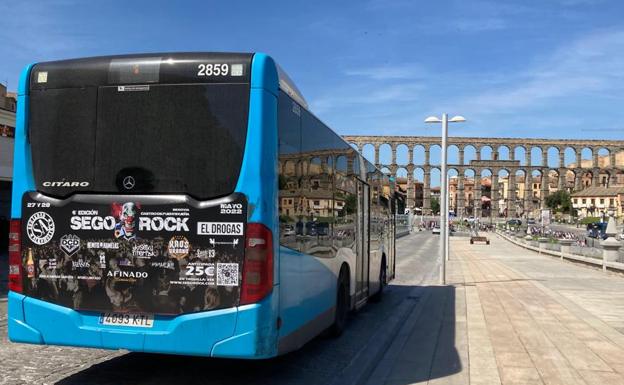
(512, 316)
(507, 316)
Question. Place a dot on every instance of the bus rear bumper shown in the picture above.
(231, 332)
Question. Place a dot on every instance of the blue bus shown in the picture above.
(155, 202)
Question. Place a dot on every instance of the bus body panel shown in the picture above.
(255, 335)
(23, 180)
(307, 296)
(19, 330)
(258, 181)
(194, 333)
(373, 269)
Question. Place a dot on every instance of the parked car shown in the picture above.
(311, 229)
(514, 222)
(470, 219)
(597, 230)
(436, 230)
(289, 230)
(322, 228)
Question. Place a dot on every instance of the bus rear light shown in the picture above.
(15, 257)
(258, 264)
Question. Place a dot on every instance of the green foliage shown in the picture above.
(435, 205)
(559, 202)
(350, 206)
(282, 182)
(587, 220)
(285, 219)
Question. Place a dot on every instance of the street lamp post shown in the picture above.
(448, 226)
(443, 189)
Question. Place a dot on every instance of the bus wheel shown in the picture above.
(382, 281)
(342, 305)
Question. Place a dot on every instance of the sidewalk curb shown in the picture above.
(365, 362)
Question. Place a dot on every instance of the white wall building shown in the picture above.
(597, 201)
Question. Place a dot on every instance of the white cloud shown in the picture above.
(390, 72)
(589, 66)
(572, 3)
(560, 94)
(479, 25)
(367, 95)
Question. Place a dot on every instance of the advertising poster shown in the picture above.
(545, 217)
(133, 256)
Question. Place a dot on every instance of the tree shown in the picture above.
(350, 205)
(282, 182)
(559, 202)
(435, 205)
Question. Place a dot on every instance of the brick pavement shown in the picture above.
(514, 317)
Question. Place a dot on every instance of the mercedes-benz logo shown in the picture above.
(129, 182)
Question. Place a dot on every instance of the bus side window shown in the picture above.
(290, 172)
(346, 200)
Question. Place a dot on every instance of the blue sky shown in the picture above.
(538, 68)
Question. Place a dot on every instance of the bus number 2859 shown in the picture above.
(213, 69)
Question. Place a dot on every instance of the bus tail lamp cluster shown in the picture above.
(258, 264)
(15, 258)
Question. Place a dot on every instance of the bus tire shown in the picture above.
(342, 304)
(382, 281)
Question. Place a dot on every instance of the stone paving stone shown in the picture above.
(599, 302)
(483, 367)
(601, 378)
(520, 360)
(512, 375)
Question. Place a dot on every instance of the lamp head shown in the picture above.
(457, 119)
(433, 119)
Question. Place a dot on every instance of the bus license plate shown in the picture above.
(127, 319)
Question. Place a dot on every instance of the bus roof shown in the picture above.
(287, 85)
(159, 67)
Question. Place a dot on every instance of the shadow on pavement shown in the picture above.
(318, 362)
(423, 349)
(4, 272)
(429, 351)
(144, 368)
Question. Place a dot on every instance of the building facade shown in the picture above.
(598, 201)
(8, 104)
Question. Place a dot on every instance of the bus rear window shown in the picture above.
(167, 138)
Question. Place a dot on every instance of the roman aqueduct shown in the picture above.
(560, 164)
